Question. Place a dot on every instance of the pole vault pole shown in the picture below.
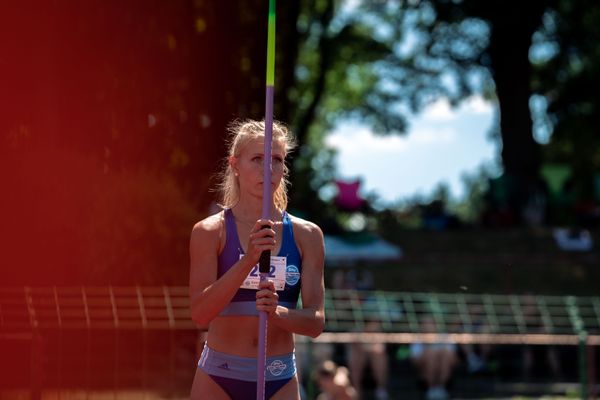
(265, 258)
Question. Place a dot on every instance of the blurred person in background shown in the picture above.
(535, 324)
(434, 362)
(476, 355)
(360, 354)
(373, 354)
(334, 382)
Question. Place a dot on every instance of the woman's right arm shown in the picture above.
(209, 295)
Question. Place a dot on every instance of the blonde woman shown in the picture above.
(224, 252)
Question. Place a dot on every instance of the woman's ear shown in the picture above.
(233, 164)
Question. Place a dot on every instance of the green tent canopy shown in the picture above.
(359, 247)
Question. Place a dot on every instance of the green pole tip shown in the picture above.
(271, 7)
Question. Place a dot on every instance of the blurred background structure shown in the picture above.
(112, 125)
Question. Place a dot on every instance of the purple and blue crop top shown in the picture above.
(244, 300)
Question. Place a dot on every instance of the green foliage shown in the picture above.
(374, 62)
(470, 208)
(135, 117)
(567, 78)
(140, 223)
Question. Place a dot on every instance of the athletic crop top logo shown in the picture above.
(292, 275)
(276, 367)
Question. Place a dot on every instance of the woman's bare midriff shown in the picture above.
(239, 336)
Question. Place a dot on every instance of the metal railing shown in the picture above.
(45, 308)
(406, 317)
(38, 314)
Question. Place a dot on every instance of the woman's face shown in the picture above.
(248, 166)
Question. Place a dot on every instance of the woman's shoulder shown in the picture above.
(306, 229)
(209, 226)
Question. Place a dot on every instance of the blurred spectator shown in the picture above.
(476, 355)
(307, 356)
(573, 239)
(535, 324)
(334, 382)
(436, 218)
(359, 279)
(587, 212)
(533, 212)
(361, 355)
(311, 354)
(434, 362)
(499, 209)
(373, 354)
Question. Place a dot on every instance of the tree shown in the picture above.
(566, 67)
(512, 26)
(335, 78)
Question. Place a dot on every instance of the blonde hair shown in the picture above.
(240, 133)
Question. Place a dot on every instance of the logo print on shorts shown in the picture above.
(277, 367)
(292, 275)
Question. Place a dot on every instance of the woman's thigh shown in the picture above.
(205, 388)
(290, 391)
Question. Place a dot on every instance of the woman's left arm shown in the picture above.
(310, 319)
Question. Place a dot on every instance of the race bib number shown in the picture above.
(276, 274)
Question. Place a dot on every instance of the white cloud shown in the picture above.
(352, 141)
(477, 105)
(427, 136)
(439, 110)
(349, 140)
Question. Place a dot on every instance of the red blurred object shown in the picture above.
(348, 198)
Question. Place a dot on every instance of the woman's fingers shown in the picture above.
(261, 239)
(267, 284)
(266, 297)
(261, 223)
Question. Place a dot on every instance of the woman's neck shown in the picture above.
(251, 211)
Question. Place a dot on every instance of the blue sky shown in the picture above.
(440, 146)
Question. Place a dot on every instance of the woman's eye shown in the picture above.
(257, 159)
